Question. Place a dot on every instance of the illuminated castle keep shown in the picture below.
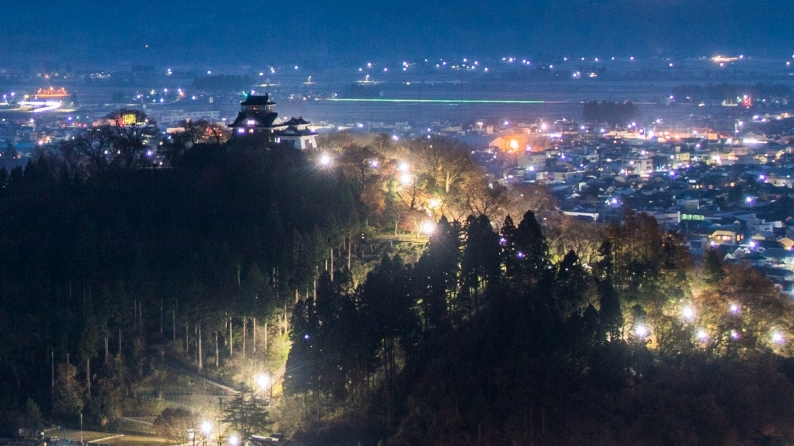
(258, 117)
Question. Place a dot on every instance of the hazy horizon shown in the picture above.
(258, 31)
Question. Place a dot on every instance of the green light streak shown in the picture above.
(448, 101)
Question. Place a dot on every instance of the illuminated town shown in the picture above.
(373, 224)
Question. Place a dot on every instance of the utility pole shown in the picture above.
(200, 364)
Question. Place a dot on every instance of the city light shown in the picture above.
(688, 313)
(702, 335)
(325, 160)
(234, 440)
(428, 228)
(641, 331)
(406, 179)
(264, 381)
(778, 338)
(206, 428)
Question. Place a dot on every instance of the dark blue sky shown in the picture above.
(263, 31)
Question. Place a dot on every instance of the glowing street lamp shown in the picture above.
(778, 338)
(427, 228)
(206, 430)
(234, 440)
(263, 380)
(406, 179)
(403, 167)
(433, 203)
(688, 313)
(734, 309)
(325, 160)
(702, 335)
(641, 331)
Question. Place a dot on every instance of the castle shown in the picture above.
(258, 117)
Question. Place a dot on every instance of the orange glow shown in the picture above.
(51, 92)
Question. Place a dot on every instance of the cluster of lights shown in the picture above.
(688, 314)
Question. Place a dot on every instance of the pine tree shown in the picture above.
(532, 250)
(246, 414)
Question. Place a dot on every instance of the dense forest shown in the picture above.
(409, 305)
(102, 262)
(485, 340)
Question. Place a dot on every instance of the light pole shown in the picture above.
(264, 382)
(206, 429)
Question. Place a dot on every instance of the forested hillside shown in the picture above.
(100, 265)
(413, 302)
(485, 340)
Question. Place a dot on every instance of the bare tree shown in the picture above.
(491, 201)
(444, 160)
(131, 132)
(95, 145)
(217, 133)
(175, 425)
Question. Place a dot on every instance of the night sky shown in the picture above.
(262, 31)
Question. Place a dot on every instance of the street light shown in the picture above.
(234, 440)
(427, 228)
(325, 160)
(206, 430)
(641, 331)
(263, 380)
(688, 313)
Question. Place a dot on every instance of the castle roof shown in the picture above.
(252, 99)
(295, 132)
(297, 121)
